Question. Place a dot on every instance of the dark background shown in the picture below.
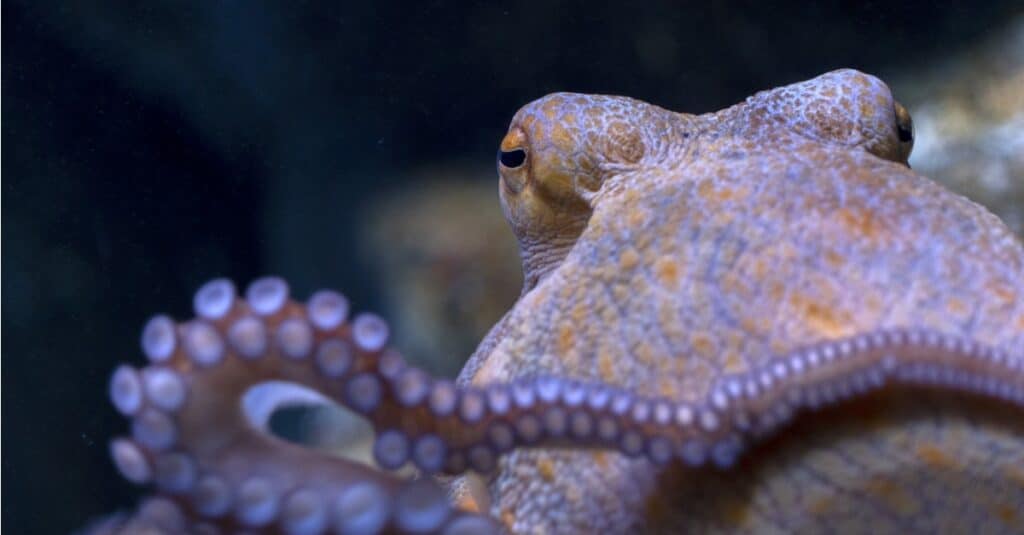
(149, 146)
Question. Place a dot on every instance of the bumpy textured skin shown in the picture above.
(664, 250)
(768, 290)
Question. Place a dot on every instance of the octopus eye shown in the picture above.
(906, 134)
(904, 125)
(512, 158)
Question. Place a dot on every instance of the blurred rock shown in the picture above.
(449, 261)
(449, 267)
(969, 115)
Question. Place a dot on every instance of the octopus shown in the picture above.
(754, 320)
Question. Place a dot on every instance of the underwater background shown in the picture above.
(152, 146)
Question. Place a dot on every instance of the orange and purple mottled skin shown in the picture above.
(665, 251)
(768, 290)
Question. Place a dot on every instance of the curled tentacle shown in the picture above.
(200, 409)
(199, 412)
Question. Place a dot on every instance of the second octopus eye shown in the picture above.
(512, 158)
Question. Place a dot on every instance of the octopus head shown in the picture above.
(844, 107)
(558, 153)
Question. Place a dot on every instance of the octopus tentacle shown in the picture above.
(549, 411)
(199, 412)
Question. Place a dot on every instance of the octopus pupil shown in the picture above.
(905, 134)
(512, 158)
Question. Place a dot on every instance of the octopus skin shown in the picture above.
(754, 320)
